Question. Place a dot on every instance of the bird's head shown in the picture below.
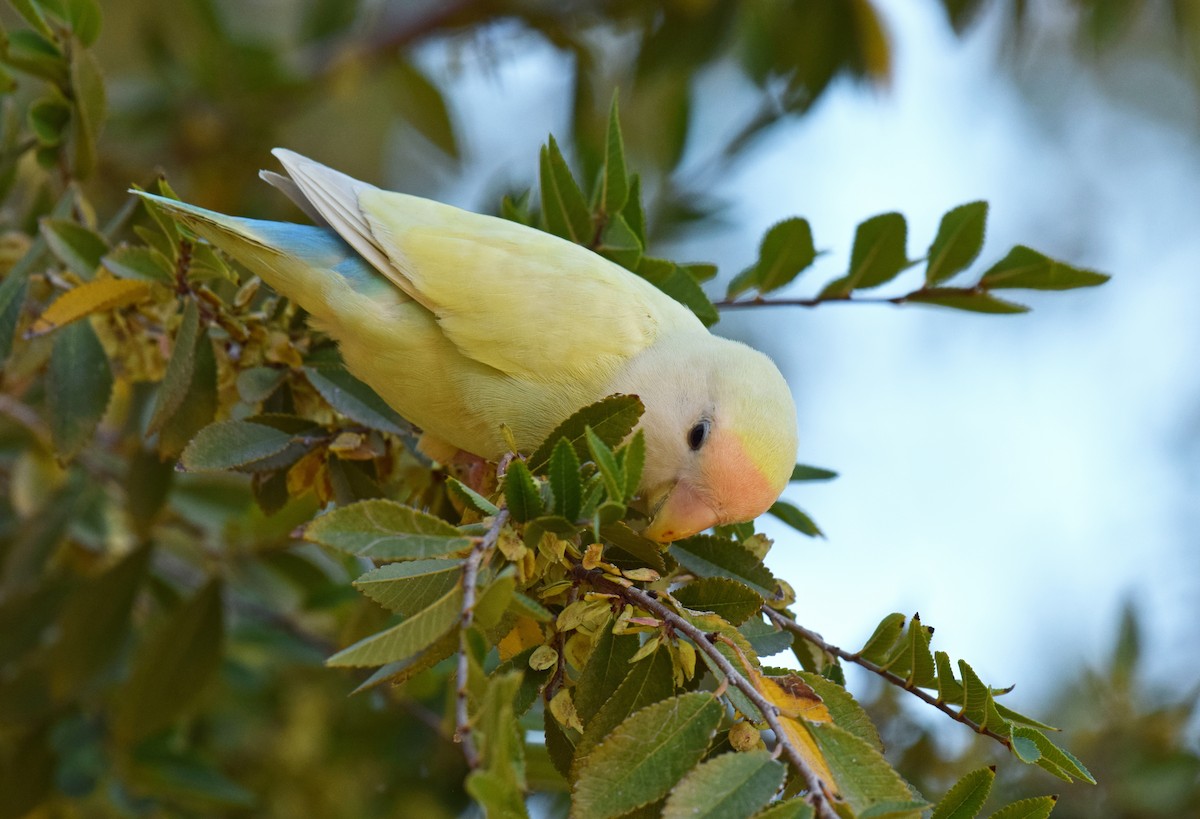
(720, 428)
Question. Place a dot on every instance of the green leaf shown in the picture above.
(878, 256)
(645, 551)
(93, 623)
(1053, 759)
(1025, 268)
(607, 666)
(786, 250)
(729, 786)
(404, 670)
(563, 205)
(611, 419)
(845, 710)
(958, 242)
(470, 498)
(676, 283)
(31, 10)
(920, 664)
(178, 378)
(76, 246)
(494, 600)
(619, 243)
(965, 298)
(863, 776)
(500, 739)
(633, 214)
(49, 118)
(407, 588)
(647, 681)
(615, 192)
(199, 403)
(386, 530)
(796, 518)
(1039, 807)
(172, 667)
(606, 462)
(896, 809)
(35, 53)
(710, 556)
(521, 493)
(645, 756)
(632, 458)
(78, 386)
(792, 809)
(565, 484)
(355, 400)
(12, 299)
(879, 646)
(232, 444)
(91, 104)
(801, 472)
(421, 104)
(498, 798)
(83, 16)
(411, 636)
(975, 694)
(966, 798)
(733, 601)
(184, 777)
(139, 263)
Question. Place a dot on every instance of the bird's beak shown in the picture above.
(682, 513)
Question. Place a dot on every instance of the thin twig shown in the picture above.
(893, 678)
(462, 714)
(817, 301)
(814, 784)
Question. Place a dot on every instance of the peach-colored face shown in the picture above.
(728, 488)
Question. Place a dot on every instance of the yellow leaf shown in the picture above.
(562, 707)
(591, 557)
(524, 635)
(543, 658)
(800, 739)
(577, 649)
(303, 473)
(793, 697)
(92, 297)
(743, 736)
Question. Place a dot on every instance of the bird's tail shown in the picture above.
(308, 264)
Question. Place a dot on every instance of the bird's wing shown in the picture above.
(527, 303)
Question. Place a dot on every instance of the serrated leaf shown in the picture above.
(607, 666)
(521, 493)
(647, 681)
(864, 778)
(633, 213)
(729, 786)
(619, 243)
(786, 250)
(898, 809)
(611, 419)
(1054, 759)
(1025, 268)
(498, 798)
(199, 403)
(606, 462)
(732, 600)
(792, 809)
(78, 386)
(845, 710)
(949, 689)
(386, 530)
(633, 462)
(879, 254)
(563, 205)
(79, 248)
(172, 667)
(958, 242)
(355, 400)
(1039, 807)
(676, 283)
(138, 263)
(921, 668)
(93, 623)
(965, 298)
(470, 498)
(565, 484)
(647, 552)
(796, 518)
(879, 645)
(408, 587)
(232, 444)
(711, 556)
(966, 798)
(975, 694)
(645, 756)
(493, 601)
(764, 638)
(411, 636)
(404, 670)
(178, 377)
(615, 191)
(86, 299)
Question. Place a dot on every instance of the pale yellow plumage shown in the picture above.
(477, 322)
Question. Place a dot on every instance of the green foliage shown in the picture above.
(196, 485)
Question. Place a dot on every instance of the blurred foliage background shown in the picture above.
(104, 562)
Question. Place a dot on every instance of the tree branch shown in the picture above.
(895, 679)
(816, 788)
(816, 301)
(462, 715)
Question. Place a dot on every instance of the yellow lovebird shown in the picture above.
(463, 323)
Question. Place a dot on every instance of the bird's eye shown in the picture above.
(697, 435)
